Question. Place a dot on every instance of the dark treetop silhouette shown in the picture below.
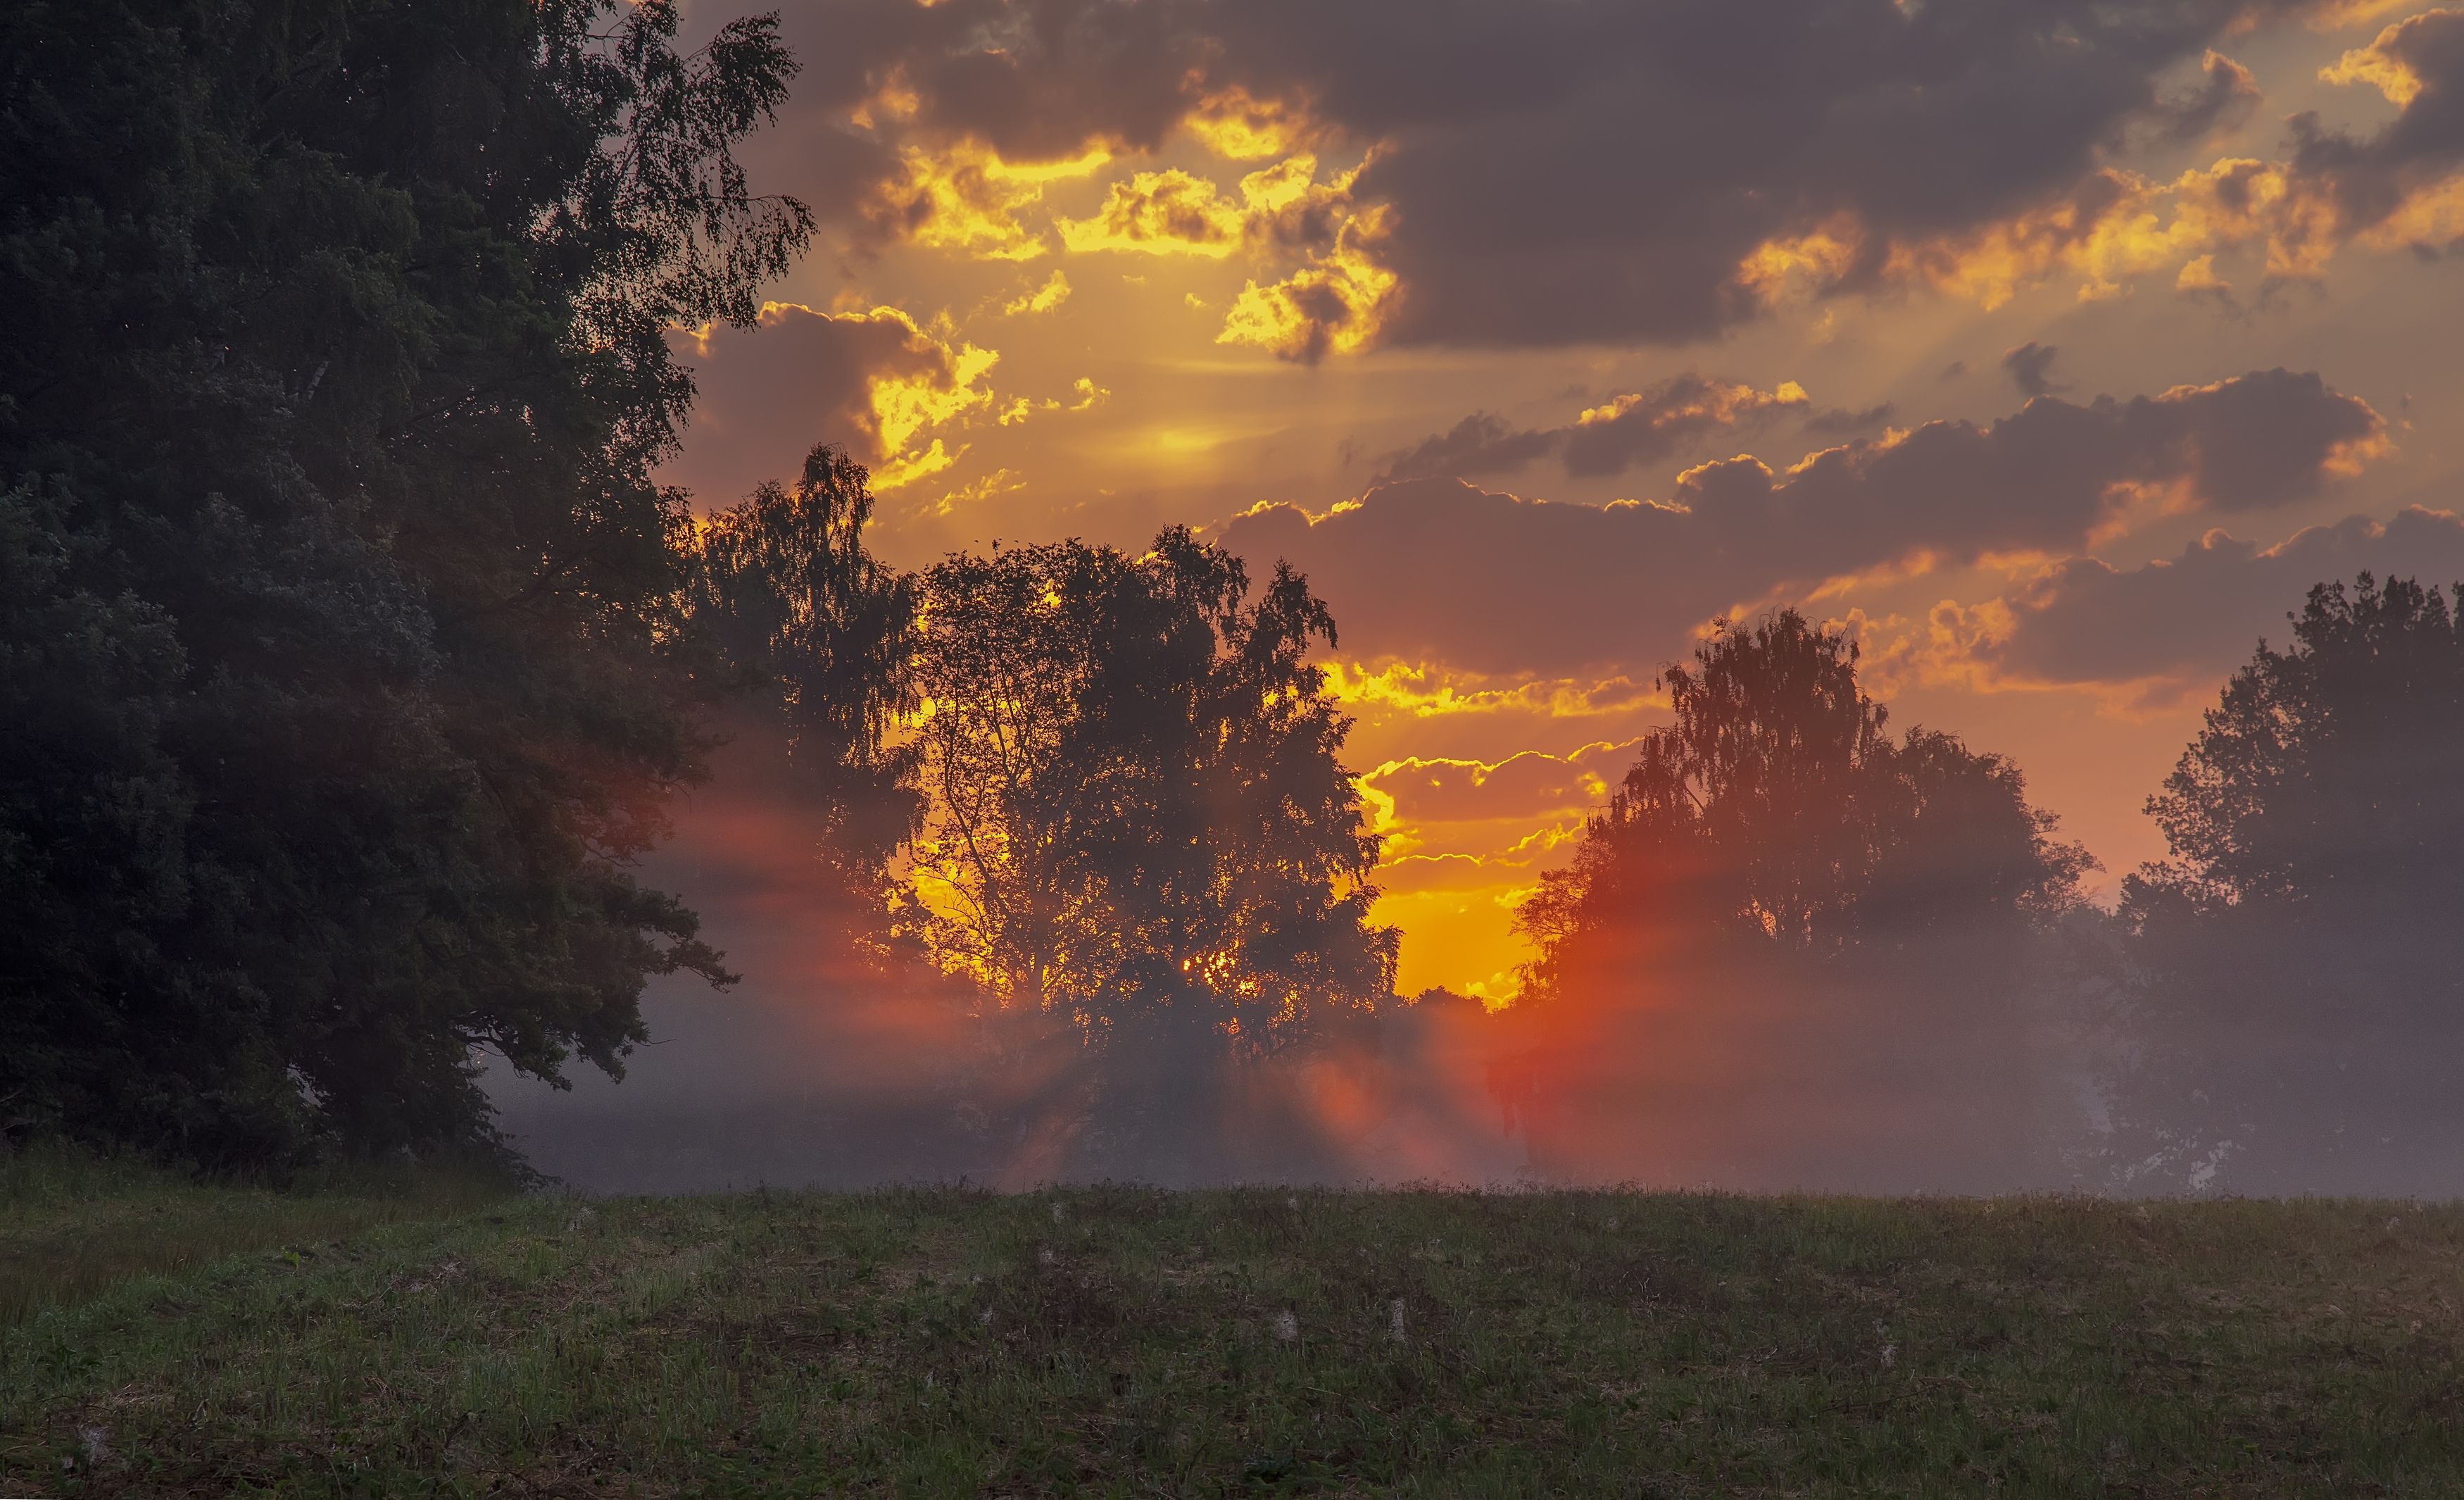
(1791, 948)
(2302, 952)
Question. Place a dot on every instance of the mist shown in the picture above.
(821, 1071)
(1793, 952)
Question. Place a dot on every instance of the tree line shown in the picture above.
(1794, 950)
(351, 655)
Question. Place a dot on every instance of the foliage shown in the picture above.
(1804, 938)
(1113, 1342)
(341, 667)
(2301, 949)
(1136, 809)
(782, 586)
(1777, 810)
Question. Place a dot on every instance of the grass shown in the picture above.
(73, 1223)
(1115, 1341)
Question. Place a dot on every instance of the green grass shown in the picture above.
(73, 1223)
(1125, 1342)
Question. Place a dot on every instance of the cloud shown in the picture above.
(1420, 792)
(966, 198)
(1482, 442)
(2226, 94)
(1433, 570)
(1174, 212)
(2399, 183)
(1612, 437)
(2030, 366)
(875, 380)
(1336, 305)
(1054, 292)
(1839, 422)
(2185, 619)
(1582, 172)
(1421, 691)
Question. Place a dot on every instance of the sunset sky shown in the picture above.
(2054, 348)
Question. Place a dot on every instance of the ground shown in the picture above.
(1118, 1341)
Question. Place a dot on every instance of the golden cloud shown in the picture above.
(1169, 212)
(965, 198)
(2379, 68)
(2116, 228)
(1234, 123)
(1174, 212)
(929, 382)
(1425, 692)
(1336, 304)
(1419, 791)
(2353, 12)
(1000, 481)
(1054, 292)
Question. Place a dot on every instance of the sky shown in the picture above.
(2053, 349)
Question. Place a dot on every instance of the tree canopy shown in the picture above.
(785, 590)
(1136, 808)
(1789, 935)
(1777, 811)
(342, 660)
(2303, 947)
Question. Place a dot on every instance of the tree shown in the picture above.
(785, 589)
(1807, 938)
(2303, 947)
(1137, 813)
(345, 667)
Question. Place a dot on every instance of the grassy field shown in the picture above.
(1127, 1342)
(73, 1225)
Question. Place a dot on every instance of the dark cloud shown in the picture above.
(1441, 571)
(1482, 442)
(2370, 179)
(1583, 171)
(1612, 437)
(768, 394)
(2226, 94)
(2200, 614)
(1839, 422)
(2031, 367)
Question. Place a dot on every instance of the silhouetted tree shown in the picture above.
(1791, 948)
(1137, 813)
(343, 667)
(787, 591)
(2303, 948)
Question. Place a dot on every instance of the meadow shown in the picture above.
(421, 1339)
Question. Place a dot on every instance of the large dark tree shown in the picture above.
(2303, 948)
(343, 670)
(1791, 948)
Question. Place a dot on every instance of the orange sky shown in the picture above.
(1713, 307)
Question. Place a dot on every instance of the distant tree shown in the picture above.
(343, 667)
(1777, 810)
(785, 588)
(2303, 947)
(1136, 809)
(1782, 902)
